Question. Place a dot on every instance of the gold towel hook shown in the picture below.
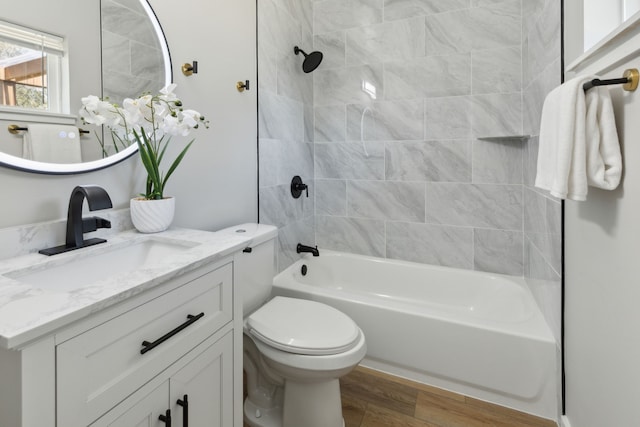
(190, 69)
(632, 76)
(14, 129)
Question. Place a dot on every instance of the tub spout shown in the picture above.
(303, 248)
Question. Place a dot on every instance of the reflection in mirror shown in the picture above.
(133, 54)
(131, 47)
(30, 64)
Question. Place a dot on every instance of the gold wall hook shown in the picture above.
(241, 86)
(632, 76)
(190, 69)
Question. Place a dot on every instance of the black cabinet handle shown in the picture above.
(151, 345)
(166, 418)
(247, 250)
(184, 402)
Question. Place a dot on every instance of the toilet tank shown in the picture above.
(255, 267)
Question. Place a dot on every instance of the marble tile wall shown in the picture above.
(285, 123)
(405, 90)
(542, 213)
(386, 132)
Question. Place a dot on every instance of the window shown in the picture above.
(30, 68)
(601, 17)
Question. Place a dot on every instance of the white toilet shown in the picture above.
(294, 350)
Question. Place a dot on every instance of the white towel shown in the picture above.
(52, 143)
(578, 141)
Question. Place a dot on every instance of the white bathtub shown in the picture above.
(473, 333)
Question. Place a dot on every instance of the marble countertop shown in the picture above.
(28, 312)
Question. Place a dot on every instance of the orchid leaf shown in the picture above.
(176, 162)
(150, 163)
(163, 149)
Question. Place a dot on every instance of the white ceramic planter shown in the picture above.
(152, 216)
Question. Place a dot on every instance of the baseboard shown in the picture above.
(564, 421)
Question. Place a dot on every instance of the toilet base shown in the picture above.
(314, 404)
(255, 416)
(318, 405)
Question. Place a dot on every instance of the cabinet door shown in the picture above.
(142, 410)
(100, 367)
(207, 382)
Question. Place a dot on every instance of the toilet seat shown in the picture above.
(303, 327)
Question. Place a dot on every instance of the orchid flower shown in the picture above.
(148, 121)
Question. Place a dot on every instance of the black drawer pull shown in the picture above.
(184, 402)
(151, 345)
(166, 418)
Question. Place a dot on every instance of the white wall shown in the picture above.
(602, 245)
(602, 285)
(216, 185)
(600, 18)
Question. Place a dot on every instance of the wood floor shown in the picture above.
(374, 399)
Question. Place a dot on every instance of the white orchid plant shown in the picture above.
(149, 121)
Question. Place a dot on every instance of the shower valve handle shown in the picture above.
(297, 186)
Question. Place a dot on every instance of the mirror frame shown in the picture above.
(18, 163)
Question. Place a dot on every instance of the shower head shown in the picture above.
(311, 61)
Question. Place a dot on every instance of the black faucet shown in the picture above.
(97, 198)
(303, 248)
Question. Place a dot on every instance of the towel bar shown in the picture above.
(629, 80)
(14, 129)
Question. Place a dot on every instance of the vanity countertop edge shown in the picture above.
(28, 313)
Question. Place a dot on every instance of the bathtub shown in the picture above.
(473, 333)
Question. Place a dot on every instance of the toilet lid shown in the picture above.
(303, 327)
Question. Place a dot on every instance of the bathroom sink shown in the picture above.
(102, 263)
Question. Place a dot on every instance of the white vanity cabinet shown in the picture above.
(194, 395)
(130, 363)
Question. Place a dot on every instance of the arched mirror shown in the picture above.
(110, 48)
